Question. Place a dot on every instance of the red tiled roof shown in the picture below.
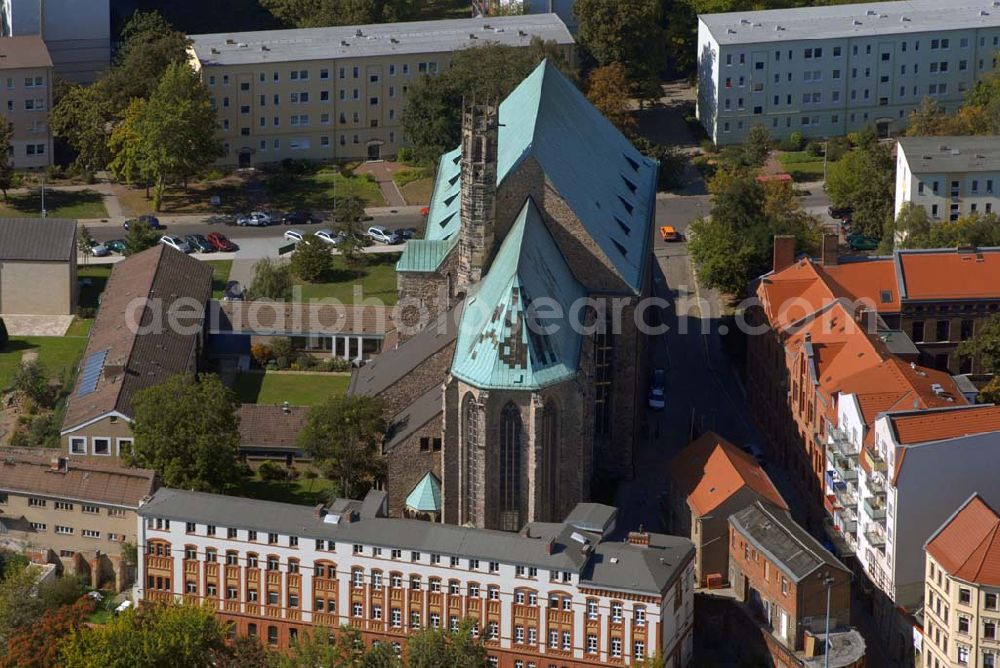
(896, 385)
(929, 426)
(711, 469)
(968, 544)
(98, 482)
(867, 280)
(270, 426)
(950, 274)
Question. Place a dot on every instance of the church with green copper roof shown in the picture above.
(526, 379)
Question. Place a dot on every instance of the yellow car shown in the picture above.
(669, 233)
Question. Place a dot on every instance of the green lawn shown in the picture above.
(416, 184)
(103, 611)
(220, 277)
(255, 387)
(58, 204)
(300, 491)
(802, 166)
(58, 354)
(80, 327)
(317, 190)
(377, 279)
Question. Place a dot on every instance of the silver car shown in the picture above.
(176, 243)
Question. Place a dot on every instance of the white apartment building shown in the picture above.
(25, 99)
(921, 466)
(76, 32)
(826, 71)
(552, 594)
(338, 93)
(949, 176)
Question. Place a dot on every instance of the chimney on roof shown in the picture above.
(640, 538)
(550, 547)
(285, 408)
(830, 249)
(866, 319)
(60, 464)
(784, 252)
(319, 510)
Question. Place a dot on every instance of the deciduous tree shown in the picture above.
(36, 645)
(864, 179)
(155, 635)
(19, 607)
(985, 345)
(437, 648)
(139, 237)
(756, 146)
(311, 259)
(83, 117)
(319, 13)
(626, 32)
(271, 280)
(344, 435)
(608, 90)
(186, 429)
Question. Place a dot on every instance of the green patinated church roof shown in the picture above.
(501, 342)
(426, 495)
(609, 185)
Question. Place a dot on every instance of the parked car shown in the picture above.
(840, 212)
(382, 235)
(293, 235)
(298, 218)
(97, 249)
(256, 218)
(152, 221)
(176, 243)
(221, 243)
(199, 243)
(116, 245)
(406, 233)
(860, 242)
(657, 390)
(233, 292)
(670, 233)
(329, 237)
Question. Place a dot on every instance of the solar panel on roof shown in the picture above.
(92, 367)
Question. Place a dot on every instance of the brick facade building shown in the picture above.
(545, 202)
(553, 594)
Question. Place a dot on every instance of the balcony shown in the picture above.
(875, 510)
(874, 461)
(847, 497)
(875, 537)
(841, 444)
(846, 467)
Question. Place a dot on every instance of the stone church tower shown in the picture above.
(479, 191)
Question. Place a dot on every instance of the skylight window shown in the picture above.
(628, 206)
(624, 228)
(632, 163)
(628, 184)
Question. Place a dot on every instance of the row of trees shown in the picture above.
(148, 118)
(187, 430)
(978, 115)
(864, 179)
(734, 244)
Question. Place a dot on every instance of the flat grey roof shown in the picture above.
(937, 155)
(791, 548)
(384, 39)
(866, 19)
(618, 566)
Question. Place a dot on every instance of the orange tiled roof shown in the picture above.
(913, 428)
(866, 279)
(968, 544)
(897, 385)
(950, 274)
(711, 469)
(793, 293)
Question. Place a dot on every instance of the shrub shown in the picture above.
(405, 154)
(86, 312)
(292, 474)
(837, 148)
(282, 347)
(305, 361)
(282, 363)
(53, 172)
(310, 474)
(270, 471)
(29, 380)
(708, 146)
(815, 149)
(795, 141)
(261, 353)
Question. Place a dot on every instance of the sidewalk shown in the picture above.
(382, 171)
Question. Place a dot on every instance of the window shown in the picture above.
(640, 616)
(964, 596)
(90, 533)
(639, 649)
(943, 330)
(592, 610)
(62, 505)
(616, 648)
(990, 602)
(102, 446)
(963, 624)
(918, 331)
(66, 531)
(963, 655)
(616, 612)
(591, 643)
(567, 641)
(78, 445)
(324, 73)
(784, 586)
(90, 510)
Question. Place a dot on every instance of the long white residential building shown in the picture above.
(556, 593)
(949, 176)
(827, 71)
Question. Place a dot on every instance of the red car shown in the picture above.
(220, 242)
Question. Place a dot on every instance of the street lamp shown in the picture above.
(828, 581)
